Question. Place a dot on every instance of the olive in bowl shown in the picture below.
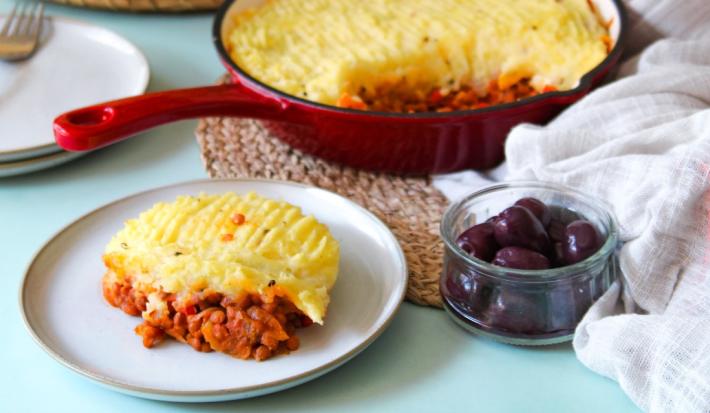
(524, 261)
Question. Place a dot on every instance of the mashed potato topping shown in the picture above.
(227, 244)
(322, 50)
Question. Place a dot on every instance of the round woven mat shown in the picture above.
(146, 5)
(410, 206)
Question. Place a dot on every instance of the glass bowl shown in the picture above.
(525, 307)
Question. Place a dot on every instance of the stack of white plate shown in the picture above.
(77, 64)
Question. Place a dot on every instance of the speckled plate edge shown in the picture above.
(37, 164)
(225, 394)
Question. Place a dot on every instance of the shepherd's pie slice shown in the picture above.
(231, 273)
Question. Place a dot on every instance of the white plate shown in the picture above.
(26, 166)
(64, 310)
(77, 64)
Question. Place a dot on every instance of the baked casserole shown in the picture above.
(229, 273)
(418, 55)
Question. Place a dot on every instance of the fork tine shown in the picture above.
(40, 20)
(20, 34)
(27, 29)
(8, 21)
(21, 14)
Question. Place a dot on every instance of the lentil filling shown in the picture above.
(399, 98)
(248, 326)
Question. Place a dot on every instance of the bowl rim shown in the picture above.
(585, 82)
(565, 273)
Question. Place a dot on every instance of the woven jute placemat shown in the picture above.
(146, 5)
(410, 206)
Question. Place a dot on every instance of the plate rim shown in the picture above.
(39, 163)
(18, 155)
(220, 394)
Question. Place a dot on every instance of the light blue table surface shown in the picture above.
(423, 362)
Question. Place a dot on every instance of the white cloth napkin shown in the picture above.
(641, 143)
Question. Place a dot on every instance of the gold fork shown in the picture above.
(20, 33)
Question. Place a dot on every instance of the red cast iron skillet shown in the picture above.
(405, 143)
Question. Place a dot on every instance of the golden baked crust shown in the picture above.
(323, 50)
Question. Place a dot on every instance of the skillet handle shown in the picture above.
(103, 124)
